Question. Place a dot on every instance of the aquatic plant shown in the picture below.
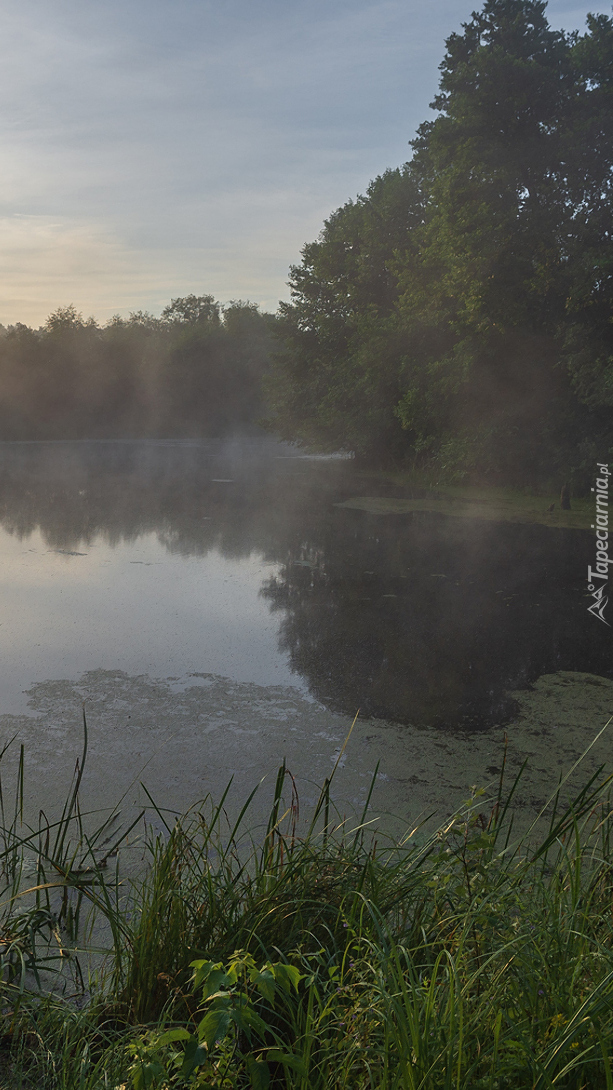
(323, 955)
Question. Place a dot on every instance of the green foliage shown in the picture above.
(337, 382)
(459, 314)
(462, 958)
(235, 1035)
(196, 371)
(192, 309)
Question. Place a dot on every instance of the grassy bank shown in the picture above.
(316, 956)
(495, 504)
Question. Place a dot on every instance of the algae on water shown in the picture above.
(495, 505)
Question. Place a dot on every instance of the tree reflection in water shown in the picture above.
(426, 619)
(417, 618)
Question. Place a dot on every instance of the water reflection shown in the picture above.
(417, 618)
(427, 619)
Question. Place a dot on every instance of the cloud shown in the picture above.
(164, 146)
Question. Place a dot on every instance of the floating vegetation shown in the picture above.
(493, 505)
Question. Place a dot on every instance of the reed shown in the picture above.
(326, 956)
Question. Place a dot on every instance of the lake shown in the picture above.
(227, 569)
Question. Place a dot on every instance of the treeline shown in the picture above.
(195, 371)
(459, 315)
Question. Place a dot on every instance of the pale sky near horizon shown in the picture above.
(153, 148)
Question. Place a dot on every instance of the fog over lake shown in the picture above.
(184, 563)
(234, 558)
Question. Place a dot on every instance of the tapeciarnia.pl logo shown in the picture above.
(598, 577)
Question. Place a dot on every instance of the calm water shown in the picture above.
(232, 558)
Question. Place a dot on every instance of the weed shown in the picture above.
(326, 958)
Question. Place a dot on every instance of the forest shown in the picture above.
(195, 371)
(458, 315)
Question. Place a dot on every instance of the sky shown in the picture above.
(154, 148)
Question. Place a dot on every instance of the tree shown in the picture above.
(191, 309)
(588, 331)
(187, 373)
(485, 298)
(489, 351)
(336, 383)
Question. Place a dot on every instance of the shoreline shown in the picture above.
(492, 503)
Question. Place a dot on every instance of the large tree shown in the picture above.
(337, 381)
(489, 349)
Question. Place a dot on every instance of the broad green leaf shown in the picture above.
(247, 1019)
(202, 969)
(218, 1000)
(258, 1073)
(174, 1035)
(214, 1027)
(214, 980)
(287, 976)
(241, 960)
(265, 984)
(147, 1076)
(195, 1056)
(276, 1055)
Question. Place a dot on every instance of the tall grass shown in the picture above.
(319, 957)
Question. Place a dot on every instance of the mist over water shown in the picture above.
(232, 558)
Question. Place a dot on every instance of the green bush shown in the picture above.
(327, 959)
